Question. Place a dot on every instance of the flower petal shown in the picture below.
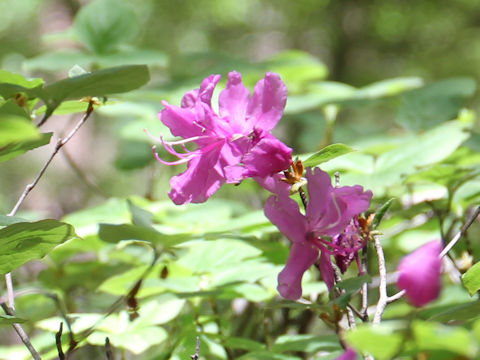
(206, 88)
(420, 274)
(202, 179)
(355, 198)
(320, 191)
(181, 121)
(284, 213)
(274, 184)
(267, 157)
(233, 103)
(302, 256)
(269, 98)
(349, 354)
(326, 269)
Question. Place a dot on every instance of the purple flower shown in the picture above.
(349, 354)
(420, 274)
(351, 241)
(232, 145)
(327, 214)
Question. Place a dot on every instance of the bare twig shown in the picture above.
(58, 146)
(108, 349)
(462, 232)
(364, 291)
(196, 356)
(58, 342)
(22, 334)
(382, 288)
(10, 308)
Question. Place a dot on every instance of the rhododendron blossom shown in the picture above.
(232, 145)
(420, 274)
(328, 212)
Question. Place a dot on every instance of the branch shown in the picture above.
(382, 288)
(22, 334)
(462, 232)
(58, 342)
(108, 349)
(10, 307)
(58, 146)
(196, 356)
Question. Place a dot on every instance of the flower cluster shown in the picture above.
(327, 228)
(237, 143)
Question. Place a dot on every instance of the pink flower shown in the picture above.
(349, 354)
(328, 212)
(351, 241)
(232, 145)
(420, 274)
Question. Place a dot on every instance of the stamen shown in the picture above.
(178, 162)
(172, 151)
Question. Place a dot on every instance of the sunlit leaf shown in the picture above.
(471, 279)
(327, 153)
(22, 242)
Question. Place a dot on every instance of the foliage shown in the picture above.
(107, 254)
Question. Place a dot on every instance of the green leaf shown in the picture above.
(265, 355)
(20, 80)
(437, 337)
(380, 340)
(435, 103)
(462, 312)
(9, 220)
(306, 343)
(15, 128)
(103, 25)
(98, 83)
(471, 279)
(327, 153)
(243, 344)
(8, 320)
(448, 175)
(381, 213)
(22, 242)
(140, 217)
(354, 284)
(12, 150)
(116, 233)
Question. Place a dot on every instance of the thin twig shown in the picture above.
(22, 334)
(364, 291)
(108, 349)
(10, 308)
(462, 232)
(58, 342)
(382, 288)
(396, 297)
(58, 146)
(10, 292)
(196, 356)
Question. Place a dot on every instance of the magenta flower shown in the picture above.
(420, 274)
(351, 241)
(328, 212)
(349, 354)
(232, 145)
